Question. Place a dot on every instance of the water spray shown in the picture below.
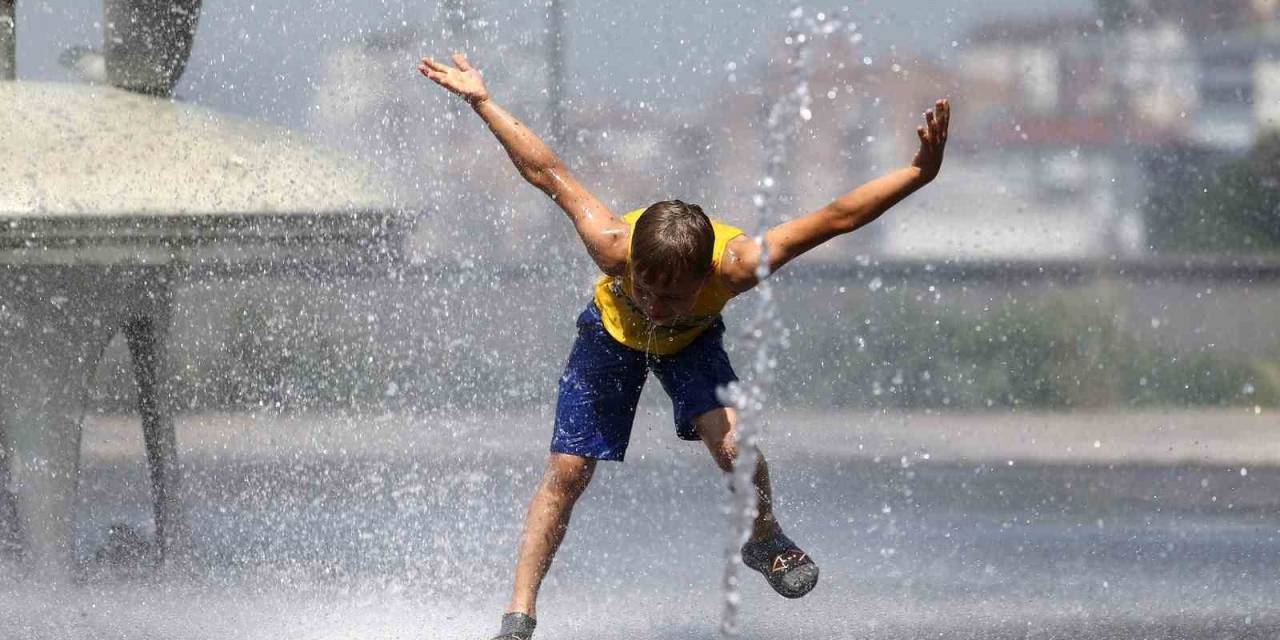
(764, 334)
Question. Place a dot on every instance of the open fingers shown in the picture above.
(433, 65)
(931, 125)
(437, 77)
(943, 110)
(460, 59)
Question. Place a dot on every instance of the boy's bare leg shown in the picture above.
(787, 568)
(717, 428)
(566, 478)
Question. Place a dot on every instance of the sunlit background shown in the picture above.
(1036, 399)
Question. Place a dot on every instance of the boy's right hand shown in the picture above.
(465, 80)
(933, 140)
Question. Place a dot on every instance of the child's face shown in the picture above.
(662, 297)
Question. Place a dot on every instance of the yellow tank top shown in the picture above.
(628, 325)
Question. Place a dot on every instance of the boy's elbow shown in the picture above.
(544, 176)
(843, 226)
(842, 222)
(536, 178)
(554, 170)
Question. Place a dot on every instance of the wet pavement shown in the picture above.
(405, 527)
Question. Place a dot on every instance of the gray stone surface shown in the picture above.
(100, 176)
(404, 527)
(77, 150)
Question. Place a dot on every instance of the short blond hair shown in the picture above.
(674, 238)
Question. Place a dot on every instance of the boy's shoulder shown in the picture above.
(726, 230)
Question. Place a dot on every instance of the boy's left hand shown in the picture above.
(463, 80)
(933, 140)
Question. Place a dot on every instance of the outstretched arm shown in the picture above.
(604, 234)
(847, 213)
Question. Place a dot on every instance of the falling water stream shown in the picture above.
(763, 333)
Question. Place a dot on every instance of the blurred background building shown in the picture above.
(1067, 124)
(1118, 155)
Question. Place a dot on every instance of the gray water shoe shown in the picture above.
(516, 626)
(789, 570)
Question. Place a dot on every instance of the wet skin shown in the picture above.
(663, 298)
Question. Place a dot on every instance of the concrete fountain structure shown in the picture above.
(111, 195)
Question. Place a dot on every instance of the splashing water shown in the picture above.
(764, 333)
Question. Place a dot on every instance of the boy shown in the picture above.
(668, 271)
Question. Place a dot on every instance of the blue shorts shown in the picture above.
(602, 381)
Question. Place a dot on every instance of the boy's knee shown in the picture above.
(568, 475)
(716, 424)
(717, 430)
